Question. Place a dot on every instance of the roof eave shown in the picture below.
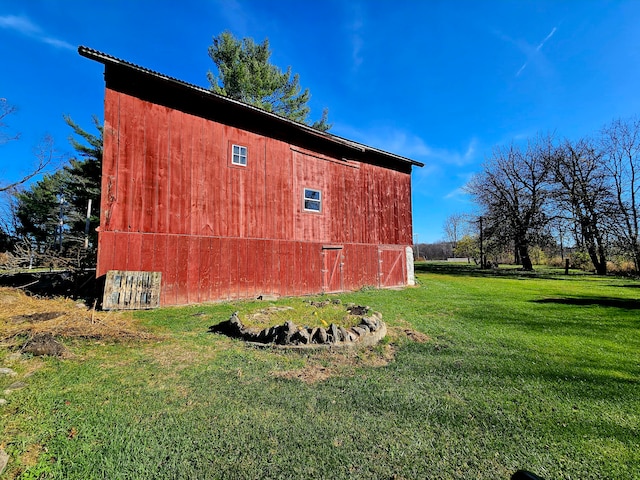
(107, 59)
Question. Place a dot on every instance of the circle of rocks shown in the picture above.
(369, 331)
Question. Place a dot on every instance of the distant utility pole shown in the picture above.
(86, 225)
(415, 241)
(482, 262)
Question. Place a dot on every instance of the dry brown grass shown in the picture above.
(22, 315)
(621, 267)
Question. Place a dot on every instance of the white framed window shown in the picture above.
(312, 201)
(239, 155)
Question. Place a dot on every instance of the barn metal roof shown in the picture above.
(107, 59)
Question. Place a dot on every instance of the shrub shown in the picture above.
(581, 260)
(537, 255)
(556, 261)
(621, 266)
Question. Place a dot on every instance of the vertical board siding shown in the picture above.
(175, 173)
(150, 159)
(170, 272)
(280, 205)
(198, 203)
(106, 253)
(161, 210)
(121, 249)
(392, 266)
(215, 270)
(200, 268)
(193, 270)
(173, 203)
(123, 174)
(159, 255)
(182, 268)
(134, 251)
(138, 161)
(109, 157)
(203, 276)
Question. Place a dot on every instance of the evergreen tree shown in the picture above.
(59, 201)
(84, 178)
(38, 209)
(245, 74)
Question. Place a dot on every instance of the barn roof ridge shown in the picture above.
(106, 58)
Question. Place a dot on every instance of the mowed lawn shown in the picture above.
(518, 371)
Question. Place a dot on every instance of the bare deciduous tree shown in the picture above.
(620, 143)
(455, 227)
(6, 109)
(43, 152)
(582, 190)
(45, 156)
(512, 190)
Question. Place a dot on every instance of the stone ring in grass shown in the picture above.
(360, 328)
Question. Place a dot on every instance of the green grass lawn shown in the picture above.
(520, 371)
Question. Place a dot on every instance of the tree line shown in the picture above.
(581, 193)
(52, 221)
(49, 222)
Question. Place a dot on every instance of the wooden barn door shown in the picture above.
(393, 266)
(332, 269)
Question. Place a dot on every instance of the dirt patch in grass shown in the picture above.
(22, 317)
(322, 365)
(402, 331)
(30, 457)
(413, 335)
(44, 344)
(27, 459)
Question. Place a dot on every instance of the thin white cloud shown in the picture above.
(460, 193)
(410, 145)
(403, 143)
(354, 28)
(20, 24)
(553, 30)
(26, 27)
(235, 15)
(456, 194)
(454, 158)
(356, 54)
(536, 51)
(522, 68)
(470, 154)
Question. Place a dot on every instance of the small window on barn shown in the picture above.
(239, 155)
(312, 200)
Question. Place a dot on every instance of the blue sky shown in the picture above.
(441, 82)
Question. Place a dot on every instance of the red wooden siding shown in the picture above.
(332, 269)
(393, 266)
(174, 203)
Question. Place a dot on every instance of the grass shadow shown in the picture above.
(511, 271)
(624, 303)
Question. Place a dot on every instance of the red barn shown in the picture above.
(229, 201)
